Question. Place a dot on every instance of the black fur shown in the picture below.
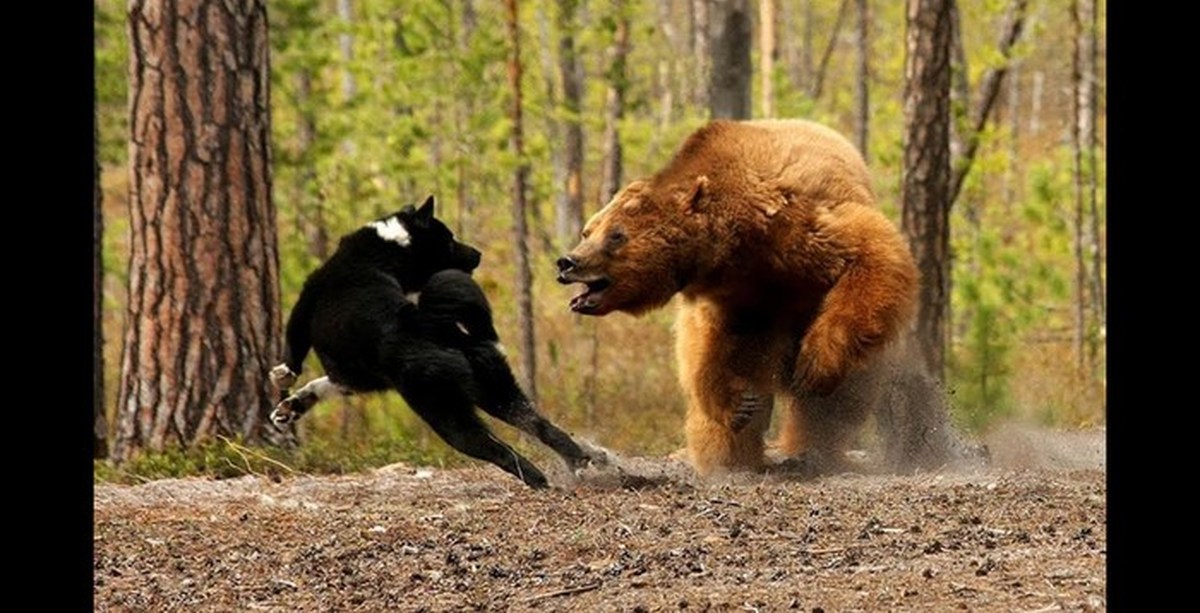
(441, 353)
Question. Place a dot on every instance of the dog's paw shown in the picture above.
(282, 377)
(284, 413)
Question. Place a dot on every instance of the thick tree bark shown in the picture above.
(862, 92)
(614, 105)
(925, 215)
(766, 55)
(569, 217)
(520, 223)
(729, 85)
(99, 421)
(203, 320)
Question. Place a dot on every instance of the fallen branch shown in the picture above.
(565, 592)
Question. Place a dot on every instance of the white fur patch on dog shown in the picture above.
(322, 388)
(392, 229)
(413, 297)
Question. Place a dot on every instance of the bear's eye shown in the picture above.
(616, 238)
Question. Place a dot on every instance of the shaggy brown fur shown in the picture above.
(792, 280)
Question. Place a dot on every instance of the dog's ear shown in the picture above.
(425, 211)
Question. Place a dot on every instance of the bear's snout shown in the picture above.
(565, 265)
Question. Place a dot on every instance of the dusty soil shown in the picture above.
(1027, 533)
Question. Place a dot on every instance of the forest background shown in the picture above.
(377, 103)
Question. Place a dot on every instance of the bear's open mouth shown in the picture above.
(589, 300)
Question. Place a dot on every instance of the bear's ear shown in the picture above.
(690, 200)
(425, 211)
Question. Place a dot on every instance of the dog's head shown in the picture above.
(422, 244)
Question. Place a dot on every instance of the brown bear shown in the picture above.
(792, 283)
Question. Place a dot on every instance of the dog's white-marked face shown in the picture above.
(392, 229)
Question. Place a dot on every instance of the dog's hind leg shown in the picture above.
(438, 386)
(464, 431)
(291, 408)
(502, 398)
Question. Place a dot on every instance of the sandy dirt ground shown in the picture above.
(1026, 533)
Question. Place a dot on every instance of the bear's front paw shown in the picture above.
(282, 377)
(285, 412)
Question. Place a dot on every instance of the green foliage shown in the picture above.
(112, 79)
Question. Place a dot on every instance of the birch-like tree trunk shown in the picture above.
(524, 286)
(203, 319)
(1078, 97)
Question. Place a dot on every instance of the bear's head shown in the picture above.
(638, 251)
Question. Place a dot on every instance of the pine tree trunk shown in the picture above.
(614, 106)
(520, 224)
(203, 315)
(925, 215)
(569, 218)
(766, 55)
(729, 85)
(99, 421)
(862, 91)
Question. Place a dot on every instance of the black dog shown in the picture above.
(395, 308)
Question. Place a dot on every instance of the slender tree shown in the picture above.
(99, 422)
(766, 54)
(862, 92)
(203, 319)
(816, 84)
(616, 78)
(1079, 123)
(569, 209)
(520, 224)
(925, 213)
(989, 93)
(1088, 103)
(701, 50)
(729, 84)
